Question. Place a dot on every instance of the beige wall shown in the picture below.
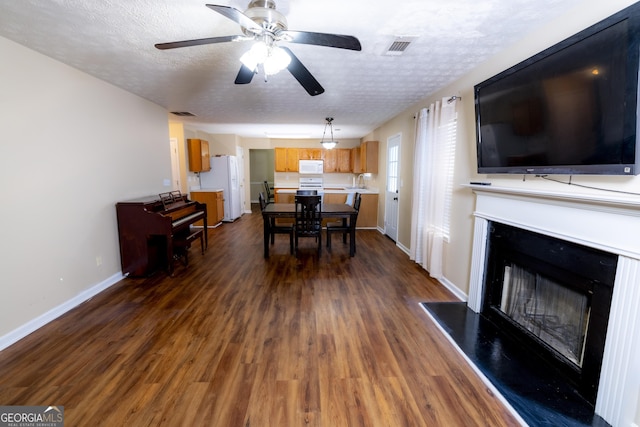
(72, 146)
(458, 249)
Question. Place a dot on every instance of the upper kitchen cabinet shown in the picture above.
(310, 153)
(337, 160)
(344, 160)
(198, 152)
(364, 159)
(286, 159)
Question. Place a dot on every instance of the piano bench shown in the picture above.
(183, 242)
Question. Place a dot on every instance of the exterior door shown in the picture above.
(393, 187)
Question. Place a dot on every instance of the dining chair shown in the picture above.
(277, 228)
(306, 192)
(344, 226)
(308, 216)
(270, 197)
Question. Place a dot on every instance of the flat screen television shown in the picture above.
(571, 109)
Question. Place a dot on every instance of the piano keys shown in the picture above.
(147, 227)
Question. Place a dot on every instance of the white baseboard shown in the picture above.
(403, 248)
(34, 324)
(454, 289)
(444, 282)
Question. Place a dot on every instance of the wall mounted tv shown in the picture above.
(571, 109)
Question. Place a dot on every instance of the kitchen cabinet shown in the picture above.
(218, 215)
(368, 214)
(330, 159)
(286, 159)
(198, 153)
(344, 160)
(284, 197)
(215, 206)
(355, 160)
(310, 153)
(365, 157)
(337, 160)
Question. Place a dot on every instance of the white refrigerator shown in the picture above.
(224, 175)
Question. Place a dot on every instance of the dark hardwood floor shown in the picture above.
(237, 340)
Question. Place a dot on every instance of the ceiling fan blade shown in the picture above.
(302, 75)
(236, 15)
(244, 75)
(322, 39)
(197, 42)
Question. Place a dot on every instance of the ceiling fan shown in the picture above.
(262, 23)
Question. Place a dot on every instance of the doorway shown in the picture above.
(175, 164)
(261, 169)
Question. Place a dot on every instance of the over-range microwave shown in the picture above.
(311, 166)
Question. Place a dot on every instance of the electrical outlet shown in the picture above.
(98, 261)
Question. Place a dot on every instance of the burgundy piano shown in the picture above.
(148, 226)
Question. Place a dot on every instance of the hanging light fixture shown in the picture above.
(331, 143)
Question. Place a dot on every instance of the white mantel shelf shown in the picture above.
(618, 200)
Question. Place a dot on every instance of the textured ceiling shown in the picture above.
(114, 41)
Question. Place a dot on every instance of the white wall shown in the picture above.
(71, 147)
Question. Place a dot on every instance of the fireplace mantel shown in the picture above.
(605, 222)
(605, 199)
(609, 223)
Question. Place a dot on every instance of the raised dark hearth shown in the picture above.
(527, 382)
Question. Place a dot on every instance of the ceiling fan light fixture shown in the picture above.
(272, 58)
(331, 143)
(254, 56)
(276, 61)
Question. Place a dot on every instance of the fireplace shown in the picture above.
(554, 297)
(603, 224)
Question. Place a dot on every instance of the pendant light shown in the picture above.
(331, 143)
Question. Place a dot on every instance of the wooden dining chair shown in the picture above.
(308, 219)
(277, 228)
(343, 226)
(269, 196)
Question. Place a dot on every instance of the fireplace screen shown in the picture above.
(553, 313)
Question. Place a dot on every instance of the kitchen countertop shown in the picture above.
(331, 189)
(203, 190)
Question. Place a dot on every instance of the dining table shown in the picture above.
(327, 210)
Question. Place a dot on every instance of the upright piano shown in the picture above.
(147, 227)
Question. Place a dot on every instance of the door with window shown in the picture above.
(393, 187)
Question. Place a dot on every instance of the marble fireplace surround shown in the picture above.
(604, 222)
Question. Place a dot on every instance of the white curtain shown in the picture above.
(431, 175)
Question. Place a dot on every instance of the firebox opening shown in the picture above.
(554, 297)
(554, 314)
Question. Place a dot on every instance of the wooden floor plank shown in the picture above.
(236, 340)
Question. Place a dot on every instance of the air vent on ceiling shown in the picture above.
(399, 45)
(183, 113)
